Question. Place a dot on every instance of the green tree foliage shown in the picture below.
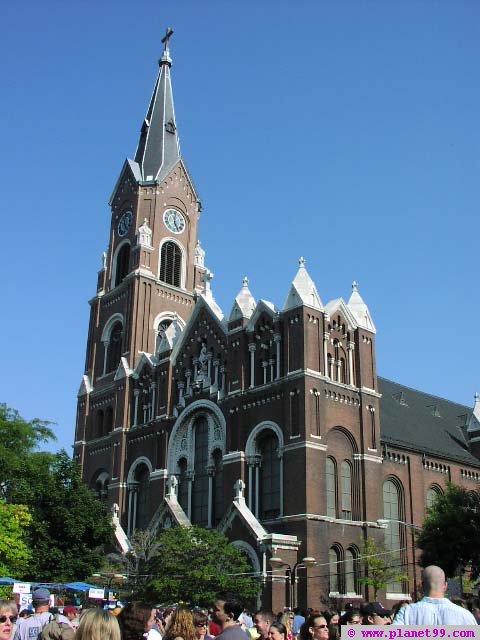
(450, 533)
(14, 551)
(380, 567)
(194, 564)
(69, 526)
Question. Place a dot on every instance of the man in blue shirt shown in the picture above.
(434, 608)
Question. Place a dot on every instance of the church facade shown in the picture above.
(270, 425)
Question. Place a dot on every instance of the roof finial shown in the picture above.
(355, 286)
(301, 262)
(476, 396)
(166, 51)
(246, 282)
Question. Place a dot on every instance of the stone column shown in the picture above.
(350, 349)
(211, 474)
(277, 339)
(188, 376)
(136, 393)
(271, 362)
(190, 476)
(252, 348)
(195, 368)
(339, 370)
(154, 389)
(105, 355)
(216, 364)
(264, 367)
(181, 400)
(222, 388)
(326, 337)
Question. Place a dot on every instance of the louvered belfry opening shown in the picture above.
(170, 264)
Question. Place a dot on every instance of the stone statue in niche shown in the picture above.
(202, 364)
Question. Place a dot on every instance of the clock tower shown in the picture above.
(149, 280)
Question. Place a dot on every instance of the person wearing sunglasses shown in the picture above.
(8, 618)
(314, 628)
(200, 622)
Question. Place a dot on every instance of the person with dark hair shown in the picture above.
(278, 631)
(352, 616)
(262, 621)
(315, 627)
(226, 611)
(200, 622)
(135, 620)
(333, 620)
(374, 613)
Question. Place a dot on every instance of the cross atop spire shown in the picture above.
(165, 59)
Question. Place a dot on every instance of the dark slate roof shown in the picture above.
(418, 421)
(159, 148)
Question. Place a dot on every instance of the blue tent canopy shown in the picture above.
(79, 586)
(6, 581)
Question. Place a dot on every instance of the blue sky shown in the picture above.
(342, 131)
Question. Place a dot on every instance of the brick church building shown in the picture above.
(268, 424)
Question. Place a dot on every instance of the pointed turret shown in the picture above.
(159, 146)
(244, 304)
(360, 310)
(303, 291)
(474, 420)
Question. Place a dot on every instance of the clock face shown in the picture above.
(174, 221)
(125, 223)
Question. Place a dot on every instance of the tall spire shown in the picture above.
(159, 146)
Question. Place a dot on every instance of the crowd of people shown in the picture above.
(227, 619)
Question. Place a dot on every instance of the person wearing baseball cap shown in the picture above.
(71, 613)
(374, 613)
(31, 627)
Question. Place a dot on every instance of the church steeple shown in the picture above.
(159, 147)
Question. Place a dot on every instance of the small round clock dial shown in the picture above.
(174, 221)
(125, 223)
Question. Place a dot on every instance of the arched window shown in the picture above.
(114, 347)
(432, 495)
(200, 481)
(346, 473)
(217, 488)
(122, 264)
(171, 264)
(351, 571)
(393, 511)
(142, 477)
(331, 485)
(343, 371)
(269, 476)
(99, 423)
(183, 485)
(334, 570)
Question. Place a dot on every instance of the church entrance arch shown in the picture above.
(195, 452)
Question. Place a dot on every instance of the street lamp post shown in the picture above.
(291, 574)
(109, 579)
(384, 522)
